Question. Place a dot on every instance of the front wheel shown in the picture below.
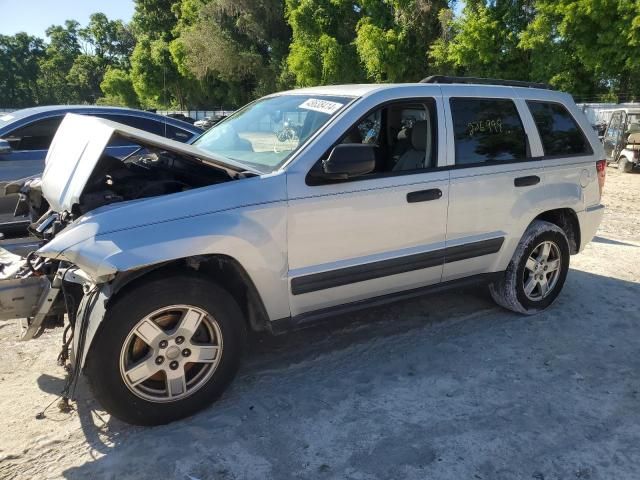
(537, 271)
(166, 348)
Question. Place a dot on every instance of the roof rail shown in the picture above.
(485, 81)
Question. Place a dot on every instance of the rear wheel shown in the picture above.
(164, 352)
(537, 271)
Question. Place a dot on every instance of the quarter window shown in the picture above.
(487, 130)
(559, 132)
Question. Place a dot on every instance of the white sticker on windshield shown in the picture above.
(6, 118)
(323, 106)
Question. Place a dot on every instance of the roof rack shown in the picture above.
(485, 81)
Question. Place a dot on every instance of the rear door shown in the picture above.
(492, 176)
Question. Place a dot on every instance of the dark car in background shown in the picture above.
(25, 136)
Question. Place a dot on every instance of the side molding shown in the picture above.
(383, 268)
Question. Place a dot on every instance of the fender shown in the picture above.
(553, 193)
(136, 236)
(254, 236)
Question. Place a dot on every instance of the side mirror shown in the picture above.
(5, 147)
(348, 160)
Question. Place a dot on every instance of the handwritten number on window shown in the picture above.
(485, 126)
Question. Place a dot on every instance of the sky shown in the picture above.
(35, 16)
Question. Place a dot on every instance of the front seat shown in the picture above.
(416, 156)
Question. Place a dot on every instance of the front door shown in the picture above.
(380, 233)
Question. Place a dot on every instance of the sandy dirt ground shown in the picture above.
(444, 387)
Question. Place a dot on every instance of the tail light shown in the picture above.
(601, 169)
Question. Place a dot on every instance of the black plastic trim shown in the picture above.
(309, 319)
(424, 195)
(384, 268)
(527, 181)
(471, 250)
(445, 79)
(360, 273)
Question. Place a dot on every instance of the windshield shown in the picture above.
(267, 132)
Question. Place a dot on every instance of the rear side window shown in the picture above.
(559, 132)
(145, 124)
(152, 126)
(35, 136)
(487, 130)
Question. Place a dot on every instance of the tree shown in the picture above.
(111, 41)
(393, 35)
(20, 55)
(484, 40)
(592, 45)
(323, 49)
(238, 42)
(118, 89)
(61, 53)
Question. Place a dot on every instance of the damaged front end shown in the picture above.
(81, 182)
(38, 291)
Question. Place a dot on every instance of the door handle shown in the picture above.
(424, 195)
(526, 181)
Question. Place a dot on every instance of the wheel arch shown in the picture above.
(567, 220)
(226, 271)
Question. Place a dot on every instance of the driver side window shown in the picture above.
(405, 134)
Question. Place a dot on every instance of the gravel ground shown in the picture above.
(444, 387)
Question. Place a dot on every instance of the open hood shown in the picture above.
(78, 146)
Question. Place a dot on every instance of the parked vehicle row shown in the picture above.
(165, 259)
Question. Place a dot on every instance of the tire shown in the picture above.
(200, 366)
(510, 290)
(624, 165)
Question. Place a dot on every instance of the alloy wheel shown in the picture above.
(542, 271)
(171, 353)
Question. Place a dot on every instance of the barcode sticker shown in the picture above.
(323, 106)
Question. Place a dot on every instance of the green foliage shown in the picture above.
(20, 55)
(200, 53)
(393, 36)
(118, 89)
(238, 42)
(323, 49)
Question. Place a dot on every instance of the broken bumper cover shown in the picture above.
(29, 298)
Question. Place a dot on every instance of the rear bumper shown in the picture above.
(589, 222)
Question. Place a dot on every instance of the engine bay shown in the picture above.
(147, 174)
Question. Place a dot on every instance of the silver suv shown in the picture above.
(163, 261)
